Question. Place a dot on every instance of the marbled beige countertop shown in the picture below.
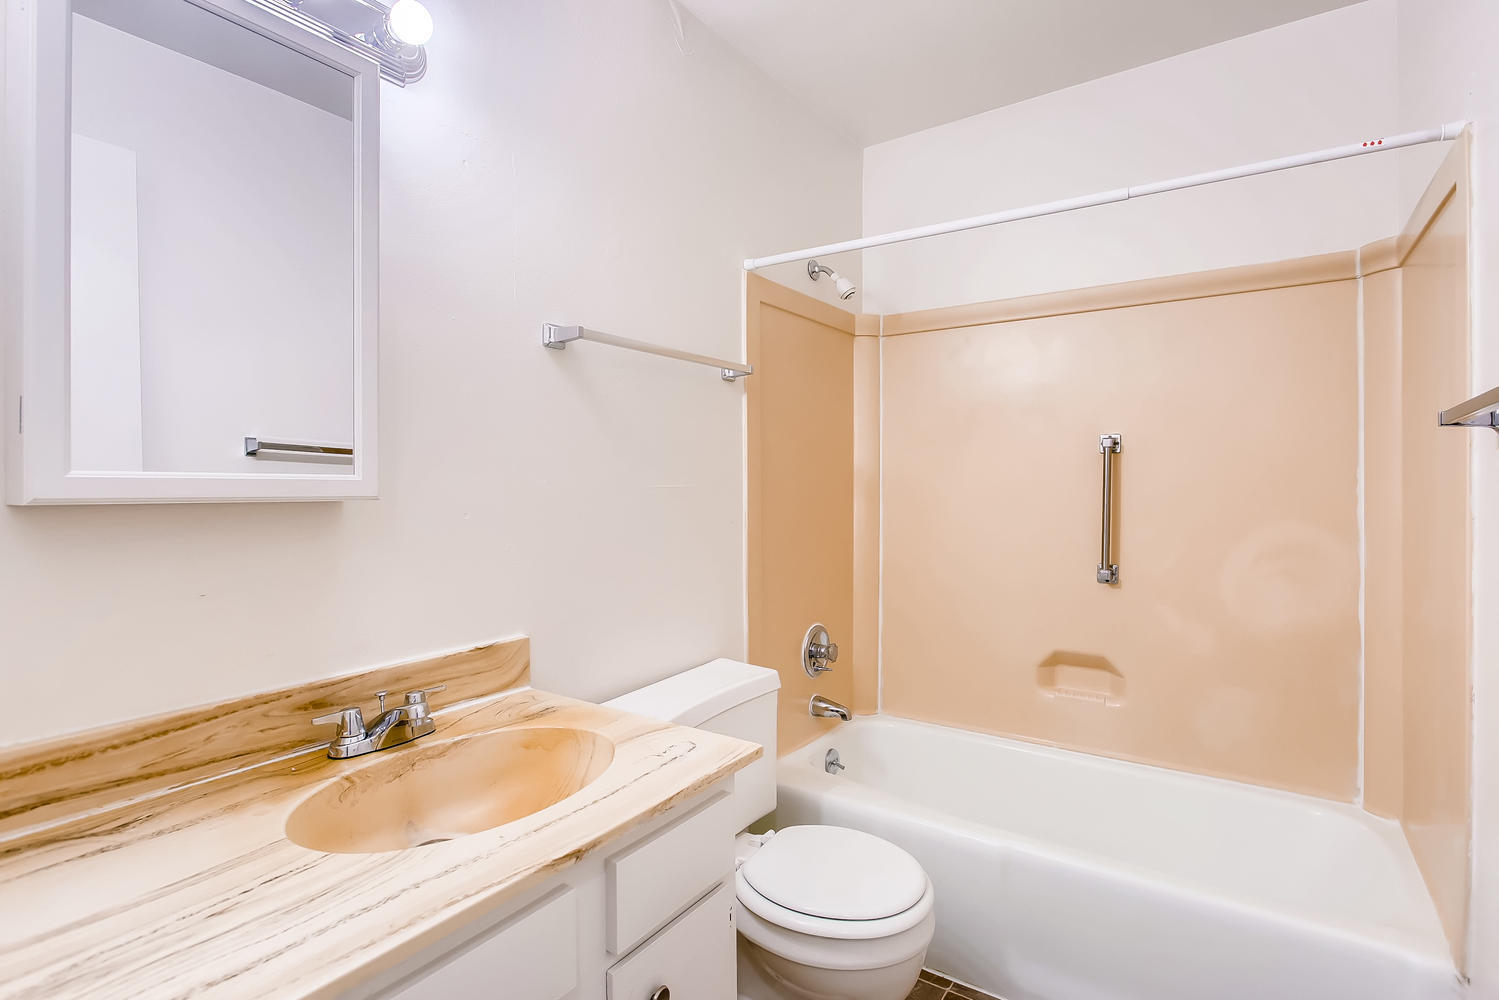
(196, 890)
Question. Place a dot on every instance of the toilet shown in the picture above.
(823, 912)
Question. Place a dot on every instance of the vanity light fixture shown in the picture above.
(390, 34)
(408, 23)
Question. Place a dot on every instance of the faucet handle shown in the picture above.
(350, 722)
(416, 701)
(420, 694)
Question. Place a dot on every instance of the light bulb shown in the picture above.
(409, 22)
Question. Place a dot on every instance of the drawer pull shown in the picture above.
(663, 993)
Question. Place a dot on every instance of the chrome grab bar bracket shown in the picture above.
(1480, 411)
(1109, 445)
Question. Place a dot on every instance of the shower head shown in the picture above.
(841, 285)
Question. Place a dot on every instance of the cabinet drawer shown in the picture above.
(693, 956)
(534, 955)
(650, 883)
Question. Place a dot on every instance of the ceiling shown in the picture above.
(878, 69)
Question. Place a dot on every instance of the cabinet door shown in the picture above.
(531, 956)
(655, 879)
(692, 957)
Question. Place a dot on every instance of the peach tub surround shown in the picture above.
(801, 546)
(195, 853)
(1230, 645)
(1418, 688)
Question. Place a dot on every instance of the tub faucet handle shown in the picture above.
(819, 651)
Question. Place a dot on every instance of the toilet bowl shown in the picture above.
(828, 913)
(823, 912)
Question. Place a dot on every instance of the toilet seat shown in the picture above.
(834, 883)
(823, 927)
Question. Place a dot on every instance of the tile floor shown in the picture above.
(934, 987)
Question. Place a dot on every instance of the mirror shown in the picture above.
(218, 260)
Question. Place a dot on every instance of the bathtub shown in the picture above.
(1063, 876)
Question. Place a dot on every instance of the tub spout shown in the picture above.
(826, 708)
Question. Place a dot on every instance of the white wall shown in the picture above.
(562, 162)
(1447, 71)
(1324, 81)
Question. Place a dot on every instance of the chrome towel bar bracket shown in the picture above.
(557, 338)
(1109, 445)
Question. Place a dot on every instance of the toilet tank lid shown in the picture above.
(694, 696)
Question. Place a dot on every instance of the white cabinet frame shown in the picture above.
(34, 280)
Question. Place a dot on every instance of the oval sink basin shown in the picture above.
(427, 792)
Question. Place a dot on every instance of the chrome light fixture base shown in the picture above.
(361, 26)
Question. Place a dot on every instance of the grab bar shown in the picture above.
(1109, 445)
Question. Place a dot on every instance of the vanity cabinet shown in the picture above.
(693, 956)
(654, 910)
(649, 882)
(534, 954)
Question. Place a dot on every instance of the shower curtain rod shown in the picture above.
(1446, 133)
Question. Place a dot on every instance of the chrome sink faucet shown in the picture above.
(827, 708)
(401, 724)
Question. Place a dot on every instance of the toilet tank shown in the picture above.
(728, 697)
